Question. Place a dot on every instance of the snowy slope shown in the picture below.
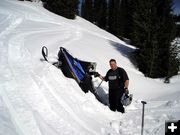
(35, 97)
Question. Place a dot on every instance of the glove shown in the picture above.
(126, 91)
(96, 74)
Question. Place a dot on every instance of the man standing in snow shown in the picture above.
(118, 84)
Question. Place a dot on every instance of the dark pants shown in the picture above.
(115, 100)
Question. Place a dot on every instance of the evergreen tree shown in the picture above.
(177, 21)
(120, 17)
(125, 18)
(100, 13)
(177, 30)
(145, 37)
(113, 17)
(174, 60)
(166, 34)
(153, 33)
(66, 8)
(87, 10)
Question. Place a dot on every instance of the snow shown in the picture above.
(35, 97)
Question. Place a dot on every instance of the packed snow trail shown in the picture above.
(35, 97)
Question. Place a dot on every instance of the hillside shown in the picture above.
(36, 98)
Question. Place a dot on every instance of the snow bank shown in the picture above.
(35, 97)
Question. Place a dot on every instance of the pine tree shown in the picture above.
(100, 13)
(174, 60)
(120, 18)
(177, 21)
(124, 20)
(87, 10)
(177, 30)
(166, 34)
(153, 33)
(145, 37)
(113, 17)
(66, 8)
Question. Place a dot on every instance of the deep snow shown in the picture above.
(35, 97)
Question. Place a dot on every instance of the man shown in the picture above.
(118, 84)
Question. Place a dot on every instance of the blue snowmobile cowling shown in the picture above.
(77, 69)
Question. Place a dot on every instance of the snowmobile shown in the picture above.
(79, 70)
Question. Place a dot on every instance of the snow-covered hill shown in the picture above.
(35, 97)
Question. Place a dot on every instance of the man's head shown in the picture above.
(113, 64)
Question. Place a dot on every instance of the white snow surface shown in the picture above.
(36, 98)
